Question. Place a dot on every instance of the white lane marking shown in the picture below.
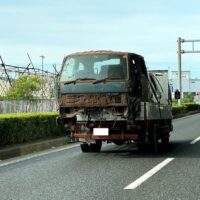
(37, 155)
(194, 141)
(147, 175)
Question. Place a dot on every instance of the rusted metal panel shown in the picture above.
(78, 100)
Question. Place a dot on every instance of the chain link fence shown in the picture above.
(20, 106)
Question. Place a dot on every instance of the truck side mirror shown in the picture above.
(177, 94)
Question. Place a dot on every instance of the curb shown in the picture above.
(23, 149)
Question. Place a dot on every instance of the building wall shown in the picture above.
(194, 85)
(188, 84)
(185, 81)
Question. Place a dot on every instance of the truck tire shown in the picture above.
(96, 147)
(85, 148)
(165, 141)
(153, 137)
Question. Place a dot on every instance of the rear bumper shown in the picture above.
(112, 137)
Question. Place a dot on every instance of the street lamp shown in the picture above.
(179, 51)
(42, 81)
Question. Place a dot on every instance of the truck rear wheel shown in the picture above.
(153, 137)
(165, 141)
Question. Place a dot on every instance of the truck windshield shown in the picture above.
(94, 67)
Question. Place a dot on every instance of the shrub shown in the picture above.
(24, 87)
(192, 106)
(178, 110)
(26, 127)
(187, 107)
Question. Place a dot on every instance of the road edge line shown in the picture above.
(17, 160)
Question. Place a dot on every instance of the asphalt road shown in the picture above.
(69, 174)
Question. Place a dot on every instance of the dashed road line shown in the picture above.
(194, 141)
(147, 175)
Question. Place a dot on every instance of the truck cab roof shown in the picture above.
(104, 52)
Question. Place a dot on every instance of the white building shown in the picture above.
(188, 84)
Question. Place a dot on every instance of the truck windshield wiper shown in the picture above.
(105, 79)
(78, 79)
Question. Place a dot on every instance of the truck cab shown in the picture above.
(109, 96)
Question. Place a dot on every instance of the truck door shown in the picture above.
(144, 80)
(135, 77)
(138, 78)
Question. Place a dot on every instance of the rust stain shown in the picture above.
(85, 100)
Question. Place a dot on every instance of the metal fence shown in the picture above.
(20, 106)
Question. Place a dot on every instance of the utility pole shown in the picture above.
(179, 69)
(179, 52)
(42, 81)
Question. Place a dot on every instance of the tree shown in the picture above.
(188, 97)
(1, 98)
(25, 87)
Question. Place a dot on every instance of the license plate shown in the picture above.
(100, 131)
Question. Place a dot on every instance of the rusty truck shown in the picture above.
(109, 96)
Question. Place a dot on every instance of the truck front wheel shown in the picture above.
(93, 147)
(85, 147)
(96, 147)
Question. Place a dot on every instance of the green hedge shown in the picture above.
(26, 127)
(192, 106)
(185, 108)
(178, 110)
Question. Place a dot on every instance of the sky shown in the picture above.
(57, 28)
